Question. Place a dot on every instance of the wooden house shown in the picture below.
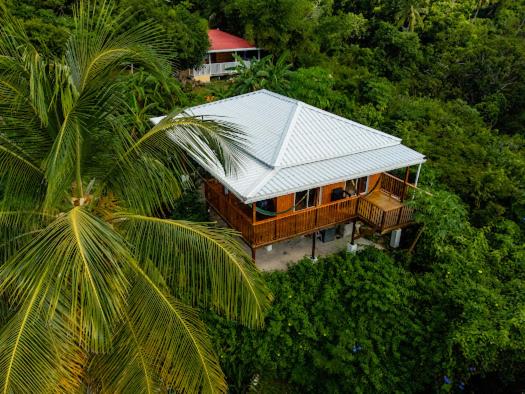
(307, 170)
(220, 58)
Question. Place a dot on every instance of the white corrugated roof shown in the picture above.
(295, 146)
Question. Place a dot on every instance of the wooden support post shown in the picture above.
(407, 174)
(354, 222)
(253, 253)
(314, 236)
(254, 212)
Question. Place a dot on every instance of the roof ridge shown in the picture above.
(354, 123)
(286, 134)
(261, 182)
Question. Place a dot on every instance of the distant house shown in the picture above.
(220, 57)
(306, 170)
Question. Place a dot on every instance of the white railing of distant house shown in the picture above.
(216, 69)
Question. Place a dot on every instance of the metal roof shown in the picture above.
(295, 146)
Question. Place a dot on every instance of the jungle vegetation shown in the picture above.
(447, 76)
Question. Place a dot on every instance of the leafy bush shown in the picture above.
(345, 323)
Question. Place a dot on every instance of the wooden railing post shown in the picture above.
(399, 216)
(407, 174)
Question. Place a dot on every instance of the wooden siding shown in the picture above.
(378, 209)
(326, 191)
(284, 203)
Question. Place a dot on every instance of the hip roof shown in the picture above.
(294, 146)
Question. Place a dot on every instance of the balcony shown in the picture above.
(382, 209)
(217, 69)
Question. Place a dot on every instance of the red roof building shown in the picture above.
(224, 42)
(221, 59)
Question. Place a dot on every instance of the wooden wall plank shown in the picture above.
(284, 203)
(327, 191)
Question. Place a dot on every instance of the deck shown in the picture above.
(382, 209)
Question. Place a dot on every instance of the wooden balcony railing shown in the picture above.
(305, 221)
(394, 186)
(384, 220)
(217, 69)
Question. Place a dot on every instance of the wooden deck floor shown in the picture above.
(383, 200)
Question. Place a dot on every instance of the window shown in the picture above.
(265, 209)
(306, 199)
(351, 187)
(356, 186)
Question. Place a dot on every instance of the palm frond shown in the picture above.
(100, 43)
(126, 367)
(145, 185)
(80, 258)
(204, 262)
(16, 228)
(26, 340)
(173, 336)
(19, 176)
(212, 142)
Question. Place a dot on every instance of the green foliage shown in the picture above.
(185, 31)
(190, 206)
(347, 321)
(261, 74)
(98, 289)
(446, 76)
(474, 281)
(315, 86)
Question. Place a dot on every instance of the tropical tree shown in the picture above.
(410, 13)
(262, 74)
(98, 289)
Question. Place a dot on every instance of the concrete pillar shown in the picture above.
(351, 248)
(395, 238)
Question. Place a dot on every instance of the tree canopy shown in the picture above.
(448, 77)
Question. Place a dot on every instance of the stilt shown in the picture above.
(354, 222)
(314, 236)
(253, 253)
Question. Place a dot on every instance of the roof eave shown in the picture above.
(251, 199)
(232, 50)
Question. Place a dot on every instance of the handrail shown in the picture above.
(306, 220)
(302, 211)
(398, 179)
(239, 211)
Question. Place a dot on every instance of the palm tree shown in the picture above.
(262, 74)
(97, 291)
(411, 13)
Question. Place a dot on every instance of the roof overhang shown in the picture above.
(232, 50)
(249, 200)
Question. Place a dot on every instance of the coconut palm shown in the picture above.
(262, 74)
(411, 13)
(97, 289)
